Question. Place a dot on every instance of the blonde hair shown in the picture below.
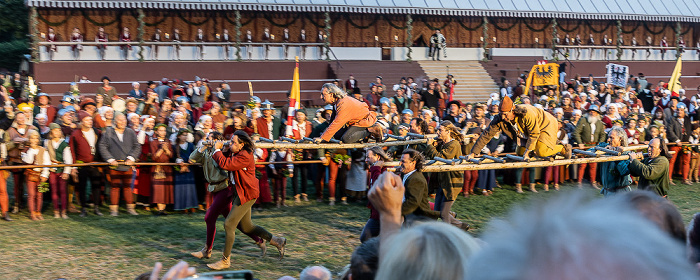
(437, 251)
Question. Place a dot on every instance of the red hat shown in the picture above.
(87, 101)
(82, 114)
(207, 106)
(506, 105)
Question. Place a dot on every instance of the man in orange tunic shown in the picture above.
(352, 121)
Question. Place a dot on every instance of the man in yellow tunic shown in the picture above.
(533, 129)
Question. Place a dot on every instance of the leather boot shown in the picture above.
(332, 201)
(15, 209)
(263, 248)
(114, 210)
(546, 187)
(64, 215)
(297, 198)
(97, 211)
(519, 188)
(532, 188)
(279, 242)
(56, 214)
(83, 212)
(202, 254)
(344, 200)
(6, 217)
(32, 216)
(305, 197)
(131, 209)
(224, 263)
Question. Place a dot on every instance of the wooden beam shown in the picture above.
(288, 145)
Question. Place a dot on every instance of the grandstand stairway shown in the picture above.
(474, 84)
(365, 72)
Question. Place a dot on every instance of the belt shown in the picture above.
(219, 182)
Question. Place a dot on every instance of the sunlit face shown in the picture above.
(41, 121)
(236, 145)
(161, 131)
(654, 147)
(300, 116)
(20, 119)
(206, 123)
(372, 157)
(149, 123)
(654, 131)
(508, 116)
(109, 114)
(443, 133)
(131, 107)
(237, 123)
(120, 122)
(135, 120)
(43, 100)
(90, 109)
(215, 109)
(86, 122)
(614, 139)
(327, 96)
(34, 139)
(179, 120)
(414, 127)
(406, 164)
(56, 133)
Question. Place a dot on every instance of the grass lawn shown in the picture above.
(126, 246)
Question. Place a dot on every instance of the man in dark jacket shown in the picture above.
(415, 204)
(120, 144)
(678, 128)
(589, 131)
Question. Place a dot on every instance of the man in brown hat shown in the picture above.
(532, 128)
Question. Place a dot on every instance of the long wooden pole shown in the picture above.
(288, 145)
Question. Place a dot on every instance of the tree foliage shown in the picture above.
(14, 26)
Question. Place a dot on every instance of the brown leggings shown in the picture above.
(120, 180)
(239, 217)
(694, 165)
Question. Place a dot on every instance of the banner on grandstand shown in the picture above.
(542, 75)
(617, 74)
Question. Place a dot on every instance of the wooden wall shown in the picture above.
(359, 30)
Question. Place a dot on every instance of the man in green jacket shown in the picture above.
(652, 170)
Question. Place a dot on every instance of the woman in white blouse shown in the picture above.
(37, 155)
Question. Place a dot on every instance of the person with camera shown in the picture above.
(241, 163)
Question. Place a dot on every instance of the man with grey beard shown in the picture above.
(589, 131)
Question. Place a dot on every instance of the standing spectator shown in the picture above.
(35, 155)
(142, 188)
(431, 97)
(589, 131)
(185, 190)
(107, 91)
(17, 137)
(352, 85)
(695, 154)
(268, 125)
(60, 153)
(280, 172)
(437, 43)
(83, 145)
(120, 144)
(375, 158)
(42, 105)
(162, 182)
(301, 128)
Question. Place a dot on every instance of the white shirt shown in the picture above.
(91, 138)
(67, 156)
(592, 132)
(29, 157)
(405, 177)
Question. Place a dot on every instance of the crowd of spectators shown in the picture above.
(166, 120)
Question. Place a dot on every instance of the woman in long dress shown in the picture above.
(162, 175)
(185, 189)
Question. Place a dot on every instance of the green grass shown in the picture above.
(126, 246)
